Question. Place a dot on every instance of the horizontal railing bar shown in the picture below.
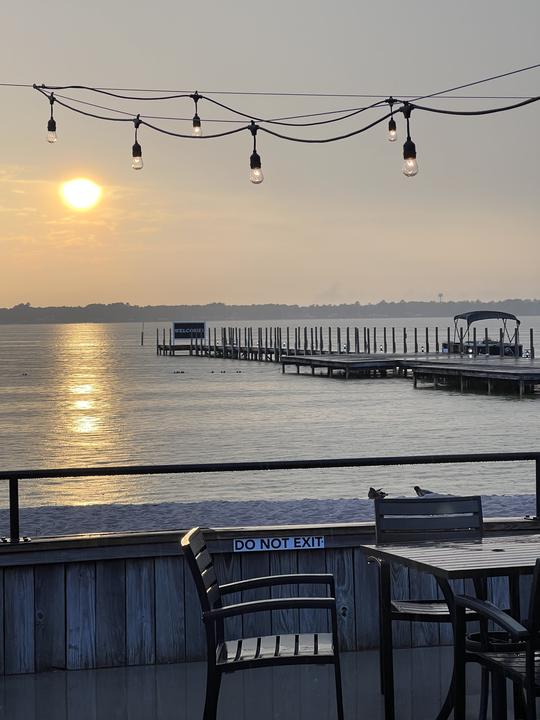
(253, 466)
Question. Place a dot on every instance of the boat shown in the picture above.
(463, 344)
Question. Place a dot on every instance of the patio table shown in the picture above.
(510, 556)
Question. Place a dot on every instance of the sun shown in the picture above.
(80, 193)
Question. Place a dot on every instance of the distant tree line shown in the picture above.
(125, 312)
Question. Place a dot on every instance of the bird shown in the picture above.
(376, 494)
(421, 492)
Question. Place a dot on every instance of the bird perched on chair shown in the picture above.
(421, 492)
(376, 494)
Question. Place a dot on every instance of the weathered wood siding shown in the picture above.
(130, 602)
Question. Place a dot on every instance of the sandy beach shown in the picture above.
(76, 519)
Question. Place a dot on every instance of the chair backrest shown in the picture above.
(439, 518)
(202, 569)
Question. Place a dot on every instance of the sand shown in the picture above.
(68, 520)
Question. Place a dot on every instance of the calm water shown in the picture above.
(75, 395)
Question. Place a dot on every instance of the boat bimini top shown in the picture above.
(477, 315)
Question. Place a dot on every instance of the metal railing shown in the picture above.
(14, 476)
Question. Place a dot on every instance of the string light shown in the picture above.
(255, 174)
(410, 166)
(51, 125)
(392, 127)
(137, 161)
(197, 129)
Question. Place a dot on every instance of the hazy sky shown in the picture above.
(331, 223)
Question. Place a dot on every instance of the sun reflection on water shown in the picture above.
(84, 389)
(83, 404)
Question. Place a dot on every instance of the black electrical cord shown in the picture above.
(489, 111)
(326, 140)
(186, 93)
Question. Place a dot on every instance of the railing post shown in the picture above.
(14, 508)
(537, 463)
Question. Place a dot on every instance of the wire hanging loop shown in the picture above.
(137, 123)
(253, 128)
(407, 110)
(52, 100)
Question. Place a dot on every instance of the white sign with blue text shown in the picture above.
(309, 542)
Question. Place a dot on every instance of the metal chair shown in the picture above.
(404, 520)
(226, 656)
(521, 666)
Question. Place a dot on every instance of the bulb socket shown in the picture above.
(51, 125)
(137, 150)
(392, 127)
(255, 161)
(409, 149)
(196, 121)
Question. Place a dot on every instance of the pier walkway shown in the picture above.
(346, 354)
(465, 372)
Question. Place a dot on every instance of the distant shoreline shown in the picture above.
(220, 312)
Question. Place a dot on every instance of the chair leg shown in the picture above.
(531, 703)
(520, 706)
(498, 696)
(213, 682)
(386, 643)
(484, 694)
(339, 689)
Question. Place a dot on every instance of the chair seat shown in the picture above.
(513, 663)
(429, 610)
(288, 648)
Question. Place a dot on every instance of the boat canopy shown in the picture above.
(477, 315)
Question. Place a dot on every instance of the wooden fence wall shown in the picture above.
(89, 604)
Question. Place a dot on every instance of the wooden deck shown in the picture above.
(464, 372)
(176, 691)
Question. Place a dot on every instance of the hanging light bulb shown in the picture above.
(51, 131)
(197, 129)
(255, 174)
(136, 161)
(392, 127)
(392, 130)
(51, 125)
(410, 166)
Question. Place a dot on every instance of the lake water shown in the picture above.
(81, 395)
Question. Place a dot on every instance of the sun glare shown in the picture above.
(80, 194)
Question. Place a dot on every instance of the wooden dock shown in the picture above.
(374, 352)
(493, 373)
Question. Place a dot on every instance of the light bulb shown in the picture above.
(410, 167)
(137, 161)
(197, 129)
(392, 130)
(51, 131)
(255, 175)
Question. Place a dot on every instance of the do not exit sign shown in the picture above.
(298, 542)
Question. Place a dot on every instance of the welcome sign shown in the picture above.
(187, 330)
(299, 542)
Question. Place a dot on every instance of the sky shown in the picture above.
(330, 223)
